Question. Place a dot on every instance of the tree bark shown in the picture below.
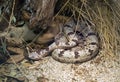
(42, 12)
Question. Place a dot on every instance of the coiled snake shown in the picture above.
(76, 43)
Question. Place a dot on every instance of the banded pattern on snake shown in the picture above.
(76, 43)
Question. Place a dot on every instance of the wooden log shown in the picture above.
(42, 12)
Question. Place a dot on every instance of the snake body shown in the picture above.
(76, 43)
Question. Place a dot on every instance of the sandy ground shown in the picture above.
(103, 68)
(100, 69)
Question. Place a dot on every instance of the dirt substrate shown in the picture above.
(100, 69)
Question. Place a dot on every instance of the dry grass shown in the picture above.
(106, 17)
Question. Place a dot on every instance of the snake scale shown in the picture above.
(76, 43)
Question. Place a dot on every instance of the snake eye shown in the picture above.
(12, 35)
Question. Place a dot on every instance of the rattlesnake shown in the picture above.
(76, 43)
